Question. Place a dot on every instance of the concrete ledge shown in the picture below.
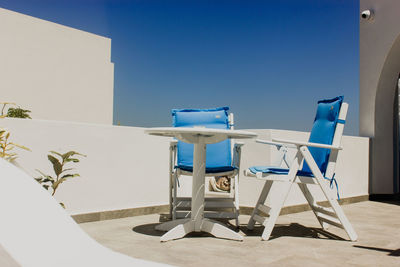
(116, 214)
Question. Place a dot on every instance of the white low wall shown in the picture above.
(126, 168)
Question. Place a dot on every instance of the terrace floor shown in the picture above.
(296, 241)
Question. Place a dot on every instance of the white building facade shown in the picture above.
(57, 72)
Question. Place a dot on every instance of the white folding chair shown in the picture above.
(320, 154)
(222, 159)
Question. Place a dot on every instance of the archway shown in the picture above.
(385, 144)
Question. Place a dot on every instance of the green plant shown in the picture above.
(18, 113)
(59, 161)
(6, 146)
(4, 106)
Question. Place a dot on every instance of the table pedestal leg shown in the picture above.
(219, 230)
(199, 170)
(178, 231)
(197, 223)
(206, 225)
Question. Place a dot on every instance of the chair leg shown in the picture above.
(236, 198)
(337, 209)
(313, 204)
(275, 211)
(261, 200)
(171, 194)
(175, 193)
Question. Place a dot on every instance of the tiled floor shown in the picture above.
(296, 241)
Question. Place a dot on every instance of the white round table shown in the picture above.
(199, 136)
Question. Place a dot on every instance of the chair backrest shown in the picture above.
(325, 131)
(219, 154)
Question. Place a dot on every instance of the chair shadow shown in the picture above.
(149, 229)
(392, 252)
(292, 230)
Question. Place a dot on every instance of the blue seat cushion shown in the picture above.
(277, 170)
(218, 155)
(208, 169)
(323, 131)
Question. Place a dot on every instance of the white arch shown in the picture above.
(379, 71)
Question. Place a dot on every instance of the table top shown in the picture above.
(195, 134)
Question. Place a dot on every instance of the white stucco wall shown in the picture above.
(379, 71)
(126, 168)
(57, 72)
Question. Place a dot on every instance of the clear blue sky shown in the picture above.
(269, 61)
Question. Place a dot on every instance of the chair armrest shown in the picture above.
(301, 143)
(237, 152)
(238, 144)
(278, 145)
(173, 143)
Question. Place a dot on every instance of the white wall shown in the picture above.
(126, 168)
(57, 72)
(379, 71)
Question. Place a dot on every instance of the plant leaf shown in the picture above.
(56, 153)
(20, 146)
(9, 147)
(56, 165)
(70, 175)
(57, 183)
(71, 159)
(48, 179)
(71, 153)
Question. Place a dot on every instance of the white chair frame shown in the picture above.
(218, 205)
(332, 215)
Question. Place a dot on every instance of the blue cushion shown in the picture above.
(277, 170)
(218, 156)
(323, 131)
(209, 169)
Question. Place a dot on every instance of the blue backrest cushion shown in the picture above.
(323, 131)
(218, 154)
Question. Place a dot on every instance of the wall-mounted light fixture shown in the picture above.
(367, 15)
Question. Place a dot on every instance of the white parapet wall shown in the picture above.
(125, 168)
(57, 72)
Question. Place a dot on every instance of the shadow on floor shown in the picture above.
(392, 252)
(292, 230)
(149, 229)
